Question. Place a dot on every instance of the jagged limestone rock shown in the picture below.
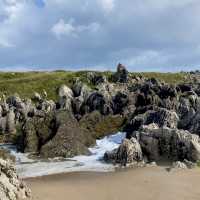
(69, 140)
(128, 152)
(66, 97)
(173, 144)
(11, 187)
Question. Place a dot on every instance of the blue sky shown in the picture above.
(145, 35)
(40, 3)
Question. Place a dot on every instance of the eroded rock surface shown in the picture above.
(98, 105)
(11, 187)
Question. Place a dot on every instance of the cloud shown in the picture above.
(61, 28)
(107, 5)
(97, 34)
(5, 44)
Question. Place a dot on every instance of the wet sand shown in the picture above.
(150, 183)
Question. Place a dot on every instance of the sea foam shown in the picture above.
(27, 167)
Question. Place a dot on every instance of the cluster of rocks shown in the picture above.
(161, 120)
(68, 126)
(165, 123)
(11, 187)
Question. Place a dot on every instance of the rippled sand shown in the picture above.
(151, 183)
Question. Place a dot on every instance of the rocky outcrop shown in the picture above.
(158, 143)
(121, 75)
(98, 104)
(160, 116)
(128, 153)
(11, 187)
(66, 96)
(96, 78)
(69, 140)
(172, 144)
(36, 131)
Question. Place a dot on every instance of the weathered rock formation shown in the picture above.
(129, 152)
(121, 75)
(11, 187)
(158, 143)
(69, 140)
(121, 101)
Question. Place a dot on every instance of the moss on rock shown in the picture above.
(70, 139)
(100, 125)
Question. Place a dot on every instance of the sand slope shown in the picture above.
(152, 183)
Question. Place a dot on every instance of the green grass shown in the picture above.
(171, 78)
(26, 83)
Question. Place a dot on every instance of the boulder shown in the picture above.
(120, 101)
(37, 97)
(65, 97)
(10, 122)
(127, 153)
(121, 75)
(65, 91)
(81, 95)
(49, 105)
(186, 113)
(172, 144)
(80, 89)
(14, 100)
(29, 141)
(179, 165)
(69, 139)
(36, 132)
(11, 187)
(161, 116)
(96, 78)
(96, 101)
(3, 123)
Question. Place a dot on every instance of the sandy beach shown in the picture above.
(150, 183)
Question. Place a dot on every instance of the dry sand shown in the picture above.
(151, 183)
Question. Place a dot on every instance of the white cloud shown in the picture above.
(107, 5)
(62, 28)
(100, 33)
(5, 44)
(13, 14)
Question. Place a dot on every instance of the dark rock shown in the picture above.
(119, 102)
(96, 101)
(160, 116)
(121, 75)
(96, 78)
(184, 88)
(70, 140)
(36, 132)
(167, 91)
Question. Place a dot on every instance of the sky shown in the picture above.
(144, 35)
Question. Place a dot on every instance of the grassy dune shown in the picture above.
(25, 83)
